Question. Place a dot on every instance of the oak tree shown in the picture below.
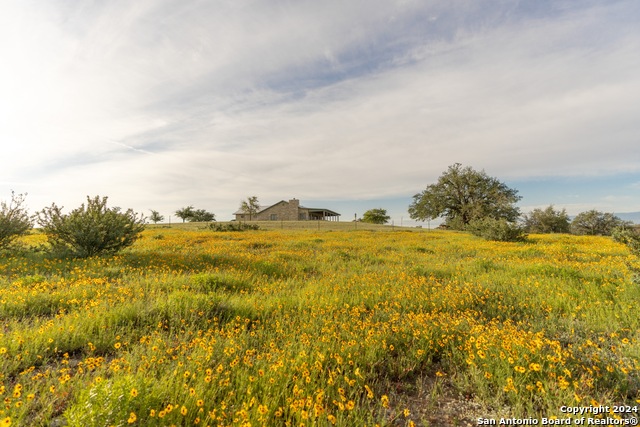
(463, 195)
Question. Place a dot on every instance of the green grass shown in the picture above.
(293, 225)
(337, 326)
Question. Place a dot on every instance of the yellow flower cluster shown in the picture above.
(311, 327)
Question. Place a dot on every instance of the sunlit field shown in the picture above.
(317, 327)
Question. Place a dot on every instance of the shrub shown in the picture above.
(548, 220)
(14, 220)
(242, 226)
(90, 230)
(594, 223)
(497, 229)
(629, 237)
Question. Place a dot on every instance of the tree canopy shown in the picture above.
(594, 222)
(195, 215)
(156, 217)
(547, 220)
(376, 216)
(201, 215)
(462, 195)
(250, 206)
(185, 213)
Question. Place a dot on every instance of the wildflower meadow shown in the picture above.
(317, 327)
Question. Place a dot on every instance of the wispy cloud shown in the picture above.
(128, 147)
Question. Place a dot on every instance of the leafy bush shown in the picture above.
(548, 220)
(497, 229)
(241, 226)
(90, 230)
(595, 223)
(629, 237)
(14, 220)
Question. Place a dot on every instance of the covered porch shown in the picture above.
(323, 215)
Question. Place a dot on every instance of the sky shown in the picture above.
(345, 105)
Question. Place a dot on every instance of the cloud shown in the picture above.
(138, 150)
(175, 102)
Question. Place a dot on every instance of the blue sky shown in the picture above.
(161, 104)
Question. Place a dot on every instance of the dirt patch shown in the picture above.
(433, 401)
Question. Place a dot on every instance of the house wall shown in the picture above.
(283, 211)
(292, 210)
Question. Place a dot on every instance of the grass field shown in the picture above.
(330, 326)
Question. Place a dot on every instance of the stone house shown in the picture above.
(288, 211)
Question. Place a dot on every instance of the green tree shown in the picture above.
(191, 214)
(462, 195)
(376, 216)
(185, 213)
(250, 206)
(594, 222)
(14, 220)
(548, 220)
(156, 217)
(201, 215)
(92, 229)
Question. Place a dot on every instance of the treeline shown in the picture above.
(466, 199)
(91, 229)
(592, 222)
(473, 201)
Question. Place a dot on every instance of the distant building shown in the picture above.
(288, 211)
